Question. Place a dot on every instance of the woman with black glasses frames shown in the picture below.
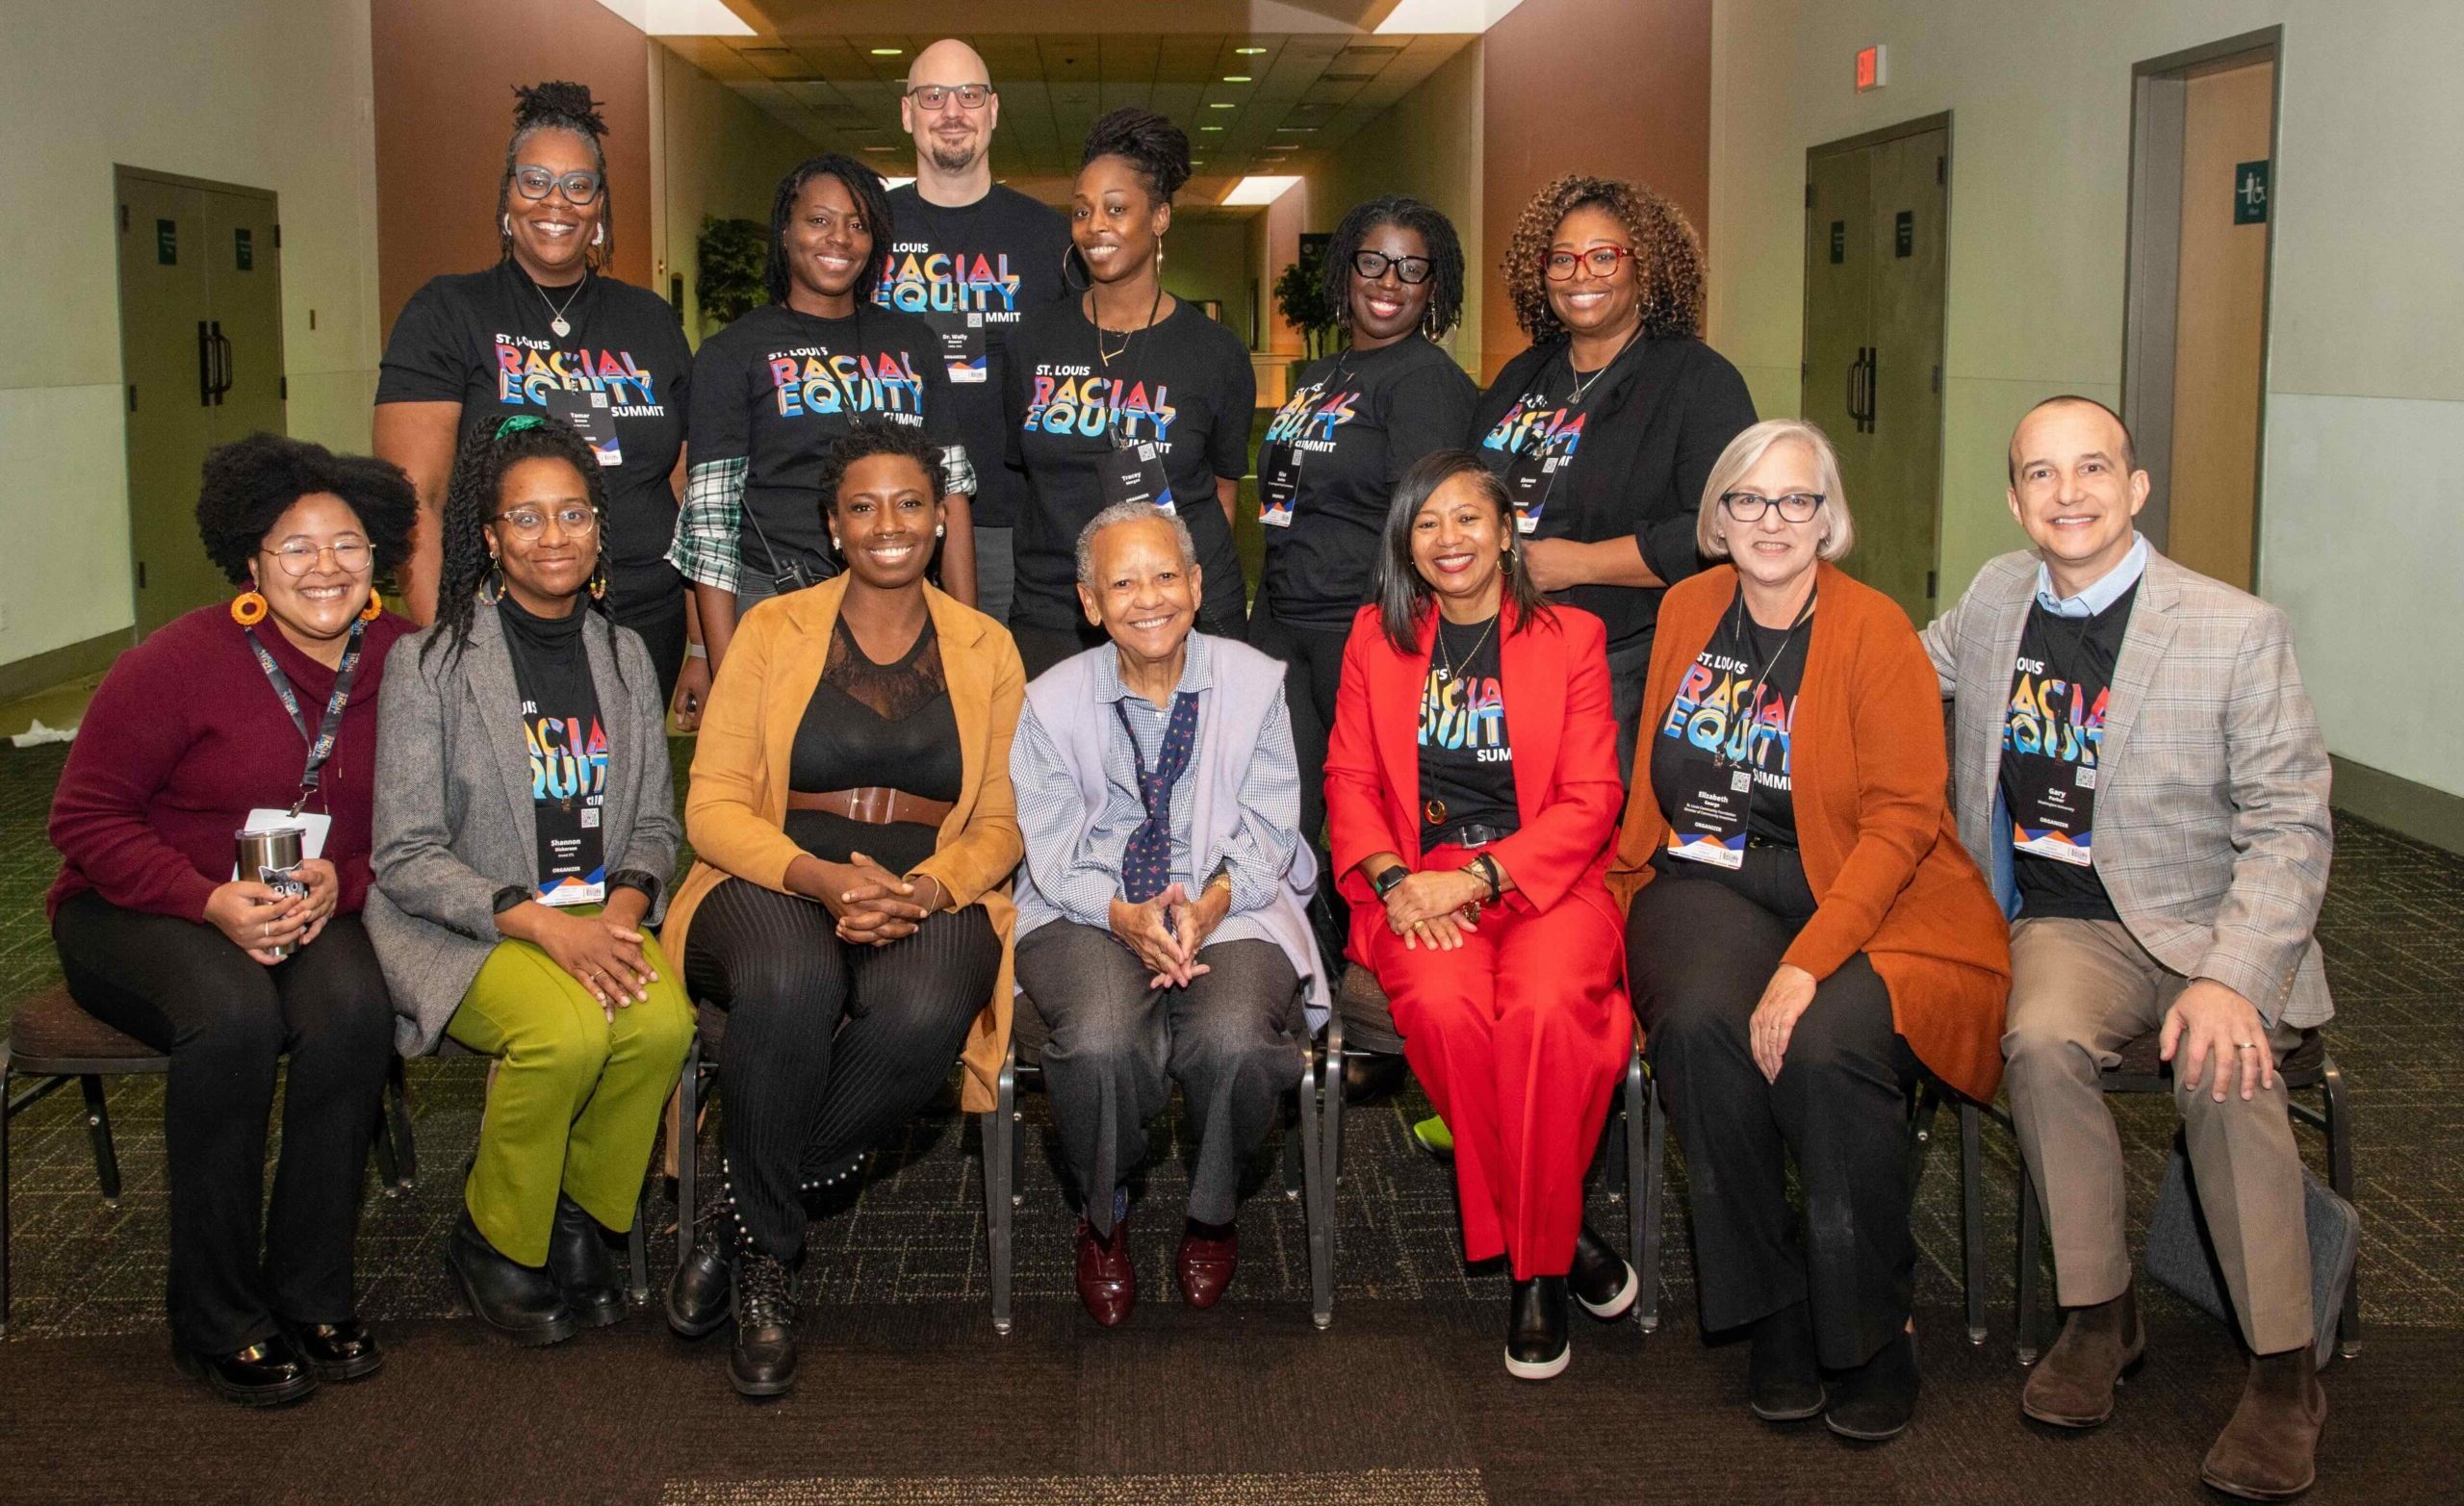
(1606, 428)
(1355, 421)
(547, 332)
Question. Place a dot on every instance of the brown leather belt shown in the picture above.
(875, 805)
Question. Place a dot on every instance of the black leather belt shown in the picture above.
(1466, 834)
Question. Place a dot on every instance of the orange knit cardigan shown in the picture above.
(1869, 773)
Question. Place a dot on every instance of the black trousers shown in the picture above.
(238, 1268)
(659, 616)
(828, 1047)
(1231, 1039)
(1628, 670)
(1700, 947)
(1314, 657)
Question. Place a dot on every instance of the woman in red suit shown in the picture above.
(1471, 792)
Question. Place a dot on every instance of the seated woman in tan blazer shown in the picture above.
(852, 818)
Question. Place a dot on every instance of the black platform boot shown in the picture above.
(519, 1301)
(1601, 1280)
(763, 1360)
(1535, 1330)
(583, 1270)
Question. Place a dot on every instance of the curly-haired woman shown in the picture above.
(528, 938)
(1605, 429)
(255, 715)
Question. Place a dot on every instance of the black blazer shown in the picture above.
(1658, 420)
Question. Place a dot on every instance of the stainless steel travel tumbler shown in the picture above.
(272, 857)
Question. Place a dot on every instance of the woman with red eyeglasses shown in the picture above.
(1605, 429)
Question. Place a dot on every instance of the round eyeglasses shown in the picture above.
(528, 523)
(297, 556)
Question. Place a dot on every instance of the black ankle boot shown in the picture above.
(519, 1301)
(1601, 1280)
(583, 1270)
(1783, 1381)
(698, 1294)
(270, 1374)
(764, 1361)
(1878, 1398)
(1372, 1076)
(1535, 1330)
(343, 1351)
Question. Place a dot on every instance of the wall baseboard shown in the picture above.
(2399, 804)
(59, 665)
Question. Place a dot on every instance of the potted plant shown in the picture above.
(1300, 298)
(733, 258)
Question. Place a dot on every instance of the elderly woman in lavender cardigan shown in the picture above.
(1162, 933)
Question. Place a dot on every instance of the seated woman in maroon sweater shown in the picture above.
(222, 719)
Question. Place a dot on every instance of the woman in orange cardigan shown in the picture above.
(1803, 935)
(854, 828)
(1472, 794)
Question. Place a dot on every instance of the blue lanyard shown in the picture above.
(321, 745)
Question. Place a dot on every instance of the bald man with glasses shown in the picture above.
(972, 258)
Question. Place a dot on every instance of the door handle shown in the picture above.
(204, 365)
(1873, 383)
(223, 374)
(1856, 378)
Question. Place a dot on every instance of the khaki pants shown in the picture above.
(2081, 990)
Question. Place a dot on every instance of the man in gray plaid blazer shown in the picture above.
(2137, 767)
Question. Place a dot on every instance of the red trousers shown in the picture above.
(1520, 1036)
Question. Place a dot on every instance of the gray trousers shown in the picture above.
(1231, 1039)
(2080, 991)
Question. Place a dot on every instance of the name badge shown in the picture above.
(962, 332)
(2075, 848)
(1279, 486)
(570, 863)
(1528, 481)
(1135, 473)
(1710, 825)
(589, 414)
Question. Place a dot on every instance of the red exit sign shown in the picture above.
(1872, 68)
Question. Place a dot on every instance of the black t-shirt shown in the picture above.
(972, 272)
(1720, 765)
(1465, 750)
(1327, 470)
(487, 341)
(1183, 386)
(776, 387)
(568, 752)
(2051, 738)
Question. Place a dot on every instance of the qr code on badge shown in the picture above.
(2085, 778)
(589, 816)
(598, 399)
(1740, 781)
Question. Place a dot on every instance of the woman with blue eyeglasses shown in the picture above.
(547, 332)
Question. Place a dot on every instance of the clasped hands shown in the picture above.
(1435, 906)
(873, 905)
(1167, 931)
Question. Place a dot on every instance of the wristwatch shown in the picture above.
(1384, 884)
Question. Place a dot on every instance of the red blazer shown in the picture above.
(1874, 826)
(1566, 789)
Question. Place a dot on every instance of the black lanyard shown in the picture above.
(321, 745)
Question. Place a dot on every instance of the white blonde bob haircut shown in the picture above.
(1744, 453)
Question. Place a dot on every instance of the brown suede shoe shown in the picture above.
(2266, 1452)
(2073, 1385)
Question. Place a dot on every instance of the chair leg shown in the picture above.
(1294, 1158)
(1317, 1207)
(380, 1144)
(2340, 1177)
(98, 1125)
(638, 1252)
(688, 1151)
(4, 1191)
(1972, 1217)
(2031, 1240)
(406, 1156)
(1000, 1190)
(1330, 1091)
(1018, 1142)
(1647, 1210)
(1632, 1150)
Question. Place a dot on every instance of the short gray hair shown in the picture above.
(1129, 512)
(1744, 453)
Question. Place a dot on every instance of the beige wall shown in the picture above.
(1275, 243)
(2360, 506)
(273, 94)
(712, 153)
(1209, 258)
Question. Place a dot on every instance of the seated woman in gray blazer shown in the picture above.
(522, 834)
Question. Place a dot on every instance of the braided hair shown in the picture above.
(471, 502)
(1445, 259)
(1150, 142)
(1668, 257)
(872, 202)
(559, 107)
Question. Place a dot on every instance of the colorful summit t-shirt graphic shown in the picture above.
(1721, 766)
(569, 795)
(1305, 426)
(813, 381)
(1534, 442)
(961, 294)
(1067, 399)
(2050, 739)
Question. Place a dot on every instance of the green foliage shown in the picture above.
(1300, 298)
(734, 256)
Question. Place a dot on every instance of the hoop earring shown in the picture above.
(1073, 285)
(492, 586)
(598, 234)
(504, 226)
(248, 607)
(375, 607)
(599, 582)
(1159, 254)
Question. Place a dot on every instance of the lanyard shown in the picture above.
(321, 746)
(1761, 670)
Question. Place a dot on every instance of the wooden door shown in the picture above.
(1899, 504)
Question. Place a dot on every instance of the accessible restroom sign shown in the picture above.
(2250, 193)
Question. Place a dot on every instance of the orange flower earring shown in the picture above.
(375, 609)
(248, 607)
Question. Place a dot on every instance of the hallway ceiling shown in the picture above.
(1310, 90)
